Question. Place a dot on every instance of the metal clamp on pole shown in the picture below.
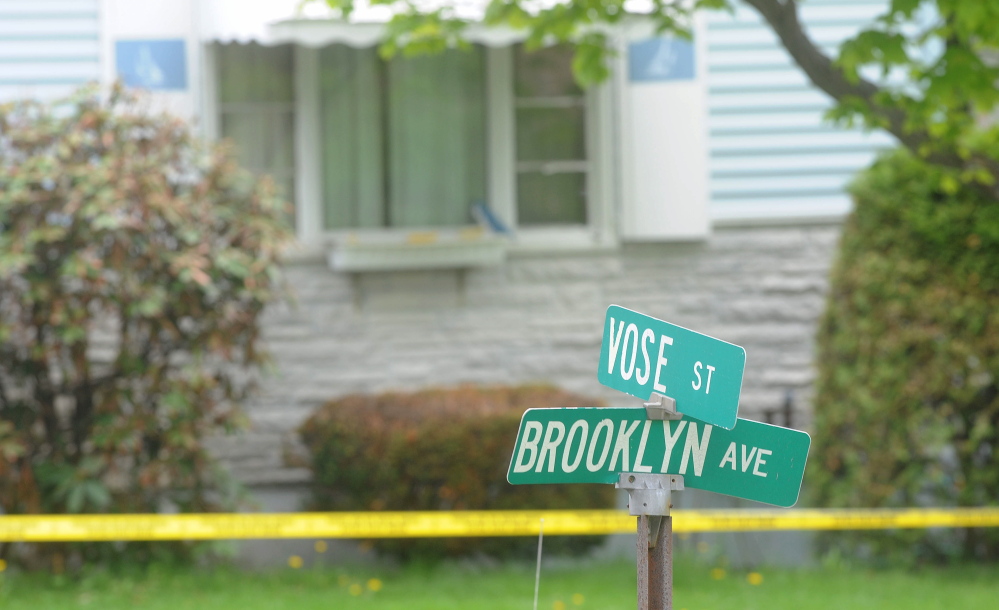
(662, 408)
(650, 495)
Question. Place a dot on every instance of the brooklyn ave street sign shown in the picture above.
(753, 460)
(642, 355)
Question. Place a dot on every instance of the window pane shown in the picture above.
(256, 95)
(403, 141)
(436, 138)
(352, 112)
(544, 72)
(262, 139)
(550, 134)
(255, 73)
(551, 199)
(551, 127)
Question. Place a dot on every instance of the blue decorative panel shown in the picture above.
(661, 59)
(152, 64)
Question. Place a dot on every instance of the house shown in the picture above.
(468, 217)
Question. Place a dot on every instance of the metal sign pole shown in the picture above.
(649, 498)
(661, 567)
(642, 547)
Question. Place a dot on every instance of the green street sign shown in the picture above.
(753, 460)
(642, 355)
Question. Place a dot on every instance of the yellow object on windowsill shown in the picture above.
(397, 250)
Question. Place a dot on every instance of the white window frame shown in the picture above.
(502, 164)
(308, 147)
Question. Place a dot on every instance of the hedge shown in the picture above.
(907, 401)
(438, 449)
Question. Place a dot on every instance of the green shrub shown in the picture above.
(907, 401)
(134, 266)
(438, 449)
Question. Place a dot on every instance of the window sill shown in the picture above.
(358, 251)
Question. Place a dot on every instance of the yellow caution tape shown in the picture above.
(48, 528)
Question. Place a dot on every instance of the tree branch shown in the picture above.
(824, 74)
(783, 19)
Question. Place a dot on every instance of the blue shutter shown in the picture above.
(771, 154)
(48, 48)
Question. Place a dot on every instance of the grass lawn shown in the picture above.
(589, 586)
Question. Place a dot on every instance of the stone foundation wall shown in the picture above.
(536, 318)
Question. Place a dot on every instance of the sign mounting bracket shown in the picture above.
(650, 495)
(662, 408)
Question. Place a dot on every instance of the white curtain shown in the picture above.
(436, 120)
(256, 103)
(353, 139)
(403, 140)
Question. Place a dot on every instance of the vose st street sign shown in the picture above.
(641, 355)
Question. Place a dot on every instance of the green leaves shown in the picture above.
(90, 494)
(416, 33)
(908, 353)
(925, 70)
(886, 49)
(415, 30)
(78, 489)
(151, 304)
(938, 82)
(590, 62)
(11, 447)
(904, 8)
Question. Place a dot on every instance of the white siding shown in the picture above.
(771, 153)
(48, 47)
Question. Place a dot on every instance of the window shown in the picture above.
(403, 141)
(389, 146)
(257, 109)
(550, 111)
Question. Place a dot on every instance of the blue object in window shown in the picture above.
(485, 216)
(152, 64)
(661, 59)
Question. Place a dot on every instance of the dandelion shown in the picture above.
(374, 584)
(320, 546)
(356, 589)
(718, 573)
(578, 599)
(295, 562)
(754, 578)
(3, 565)
(558, 605)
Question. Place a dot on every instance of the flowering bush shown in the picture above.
(134, 265)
